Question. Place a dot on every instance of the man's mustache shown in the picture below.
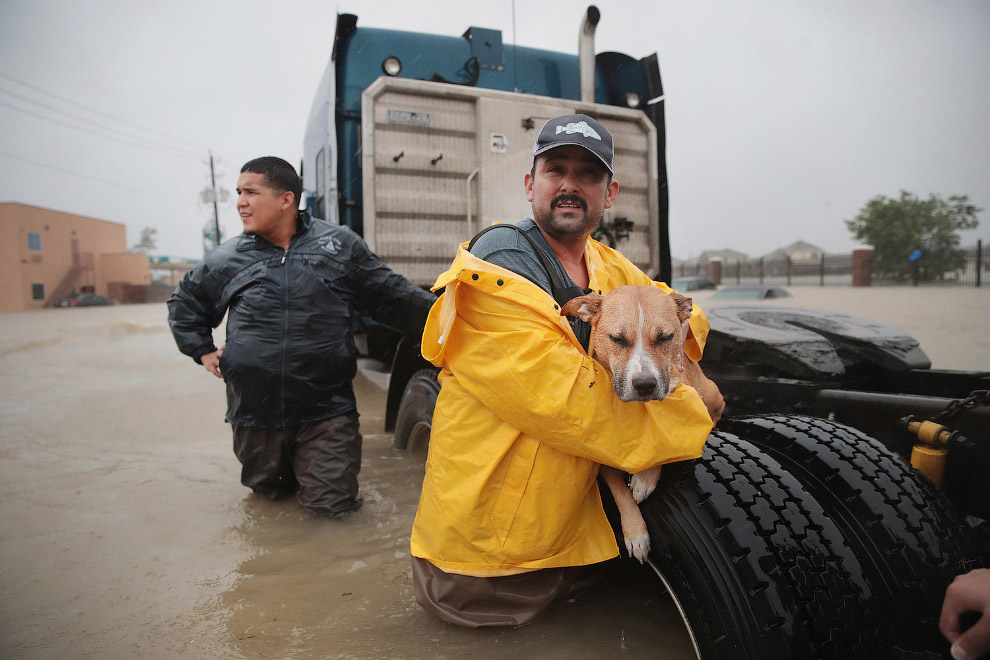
(572, 199)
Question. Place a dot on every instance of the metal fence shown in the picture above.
(830, 270)
(962, 267)
(966, 267)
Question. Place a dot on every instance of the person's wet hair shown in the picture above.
(279, 174)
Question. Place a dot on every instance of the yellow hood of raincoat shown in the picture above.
(525, 417)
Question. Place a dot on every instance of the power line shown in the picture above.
(91, 178)
(179, 155)
(84, 120)
(100, 112)
(176, 148)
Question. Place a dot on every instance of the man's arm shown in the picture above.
(539, 382)
(386, 296)
(192, 316)
(524, 367)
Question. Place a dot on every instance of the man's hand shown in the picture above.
(211, 361)
(967, 593)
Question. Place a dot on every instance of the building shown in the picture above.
(702, 264)
(49, 255)
(799, 252)
(725, 256)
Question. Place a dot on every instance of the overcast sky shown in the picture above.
(783, 117)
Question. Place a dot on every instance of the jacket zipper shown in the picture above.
(285, 329)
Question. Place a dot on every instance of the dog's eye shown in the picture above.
(662, 339)
(619, 340)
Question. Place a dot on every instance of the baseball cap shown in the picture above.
(579, 130)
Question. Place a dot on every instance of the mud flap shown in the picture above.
(804, 344)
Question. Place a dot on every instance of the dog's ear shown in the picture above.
(585, 308)
(683, 304)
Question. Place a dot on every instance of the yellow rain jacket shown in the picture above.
(525, 417)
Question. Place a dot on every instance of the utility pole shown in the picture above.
(216, 213)
(212, 195)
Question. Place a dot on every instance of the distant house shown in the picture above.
(47, 255)
(701, 265)
(798, 252)
(726, 256)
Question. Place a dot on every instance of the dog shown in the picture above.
(637, 334)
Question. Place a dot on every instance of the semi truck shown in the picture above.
(842, 491)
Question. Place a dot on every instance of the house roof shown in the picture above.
(802, 246)
(796, 246)
(724, 255)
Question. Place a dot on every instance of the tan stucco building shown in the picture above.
(47, 255)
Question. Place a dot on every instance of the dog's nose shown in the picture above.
(644, 385)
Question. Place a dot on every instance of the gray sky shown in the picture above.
(783, 117)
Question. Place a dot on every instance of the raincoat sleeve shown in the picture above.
(511, 351)
(194, 310)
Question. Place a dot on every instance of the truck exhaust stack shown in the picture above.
(586, 53)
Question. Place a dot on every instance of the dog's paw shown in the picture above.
(638, 548)
(643, 483)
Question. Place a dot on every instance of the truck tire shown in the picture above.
(909, 539)
(757, 569)
(415, 417)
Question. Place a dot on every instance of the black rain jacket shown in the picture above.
(290, 355)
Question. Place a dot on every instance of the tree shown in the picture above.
(148, 241)
(912, 236)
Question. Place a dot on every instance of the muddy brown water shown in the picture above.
(124, 532)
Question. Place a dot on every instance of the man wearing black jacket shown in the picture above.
(290, 287)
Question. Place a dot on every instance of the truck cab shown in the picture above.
(803, 531)
(415, 141)
(418, 141)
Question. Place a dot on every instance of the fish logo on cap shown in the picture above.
(579, 127)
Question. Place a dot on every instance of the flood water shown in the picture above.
(125, 533)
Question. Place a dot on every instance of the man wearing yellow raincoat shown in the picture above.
(510, 514)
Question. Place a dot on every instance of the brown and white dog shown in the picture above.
(638, 335)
